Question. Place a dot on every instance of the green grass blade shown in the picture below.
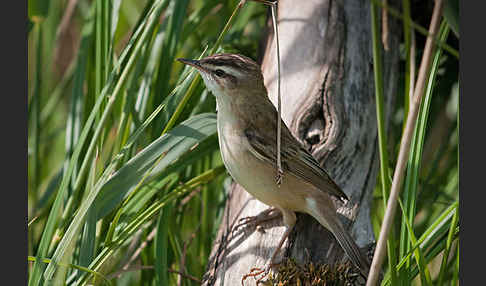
(37, 9)
(147, 214)
(173, 144)
(88, 238)
(451, 14)
(443, 265)
(407, 21)
(148, 28)
(455, 277)
(410, 191)
(78, 267)
(48, 194)
(385, 178)
(87, 203)
(438, 228)
(35, 122)
(168, 52)
(174, 116)
(55, 210)
(35, 276)
(424, 272)
(145, 88)
(161, 247)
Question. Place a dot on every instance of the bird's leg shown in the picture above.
(279, 246)
(264, 216)
(289, 219)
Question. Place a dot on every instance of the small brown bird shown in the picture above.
(247, 131)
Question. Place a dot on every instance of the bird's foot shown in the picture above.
(254, 221)
(257, 271)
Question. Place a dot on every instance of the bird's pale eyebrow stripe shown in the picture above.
(226, 63)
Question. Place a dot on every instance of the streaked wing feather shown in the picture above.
(295, 159)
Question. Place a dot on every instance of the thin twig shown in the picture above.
(273, 6)
(407, 21)
(384, 27)
(412, 64)
(182, 264)
(139, 249)
(185, 275)
(129, 269)
(405, 146)
(66, 18)
(279, 98)
(34, 219)
(64, 26)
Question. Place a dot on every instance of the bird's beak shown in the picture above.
(194, 63)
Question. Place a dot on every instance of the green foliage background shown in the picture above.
(125, 181)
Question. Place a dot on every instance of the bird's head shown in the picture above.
(229, 75)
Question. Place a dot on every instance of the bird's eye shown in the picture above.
(219, 73)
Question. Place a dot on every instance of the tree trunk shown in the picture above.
(328, 102)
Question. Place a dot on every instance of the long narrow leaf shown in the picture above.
(147, 214)
(172, 144)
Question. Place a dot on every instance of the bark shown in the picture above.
(328, 102)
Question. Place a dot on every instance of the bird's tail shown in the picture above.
(332, 223)
(351, 249)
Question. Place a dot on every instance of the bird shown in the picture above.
(247, 134)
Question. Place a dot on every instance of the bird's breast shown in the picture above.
(256, 176)
(233, 146)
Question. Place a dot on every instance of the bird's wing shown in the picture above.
(294, 158)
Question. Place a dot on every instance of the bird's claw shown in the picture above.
(255, 272)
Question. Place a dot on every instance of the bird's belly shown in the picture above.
(258, 177)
